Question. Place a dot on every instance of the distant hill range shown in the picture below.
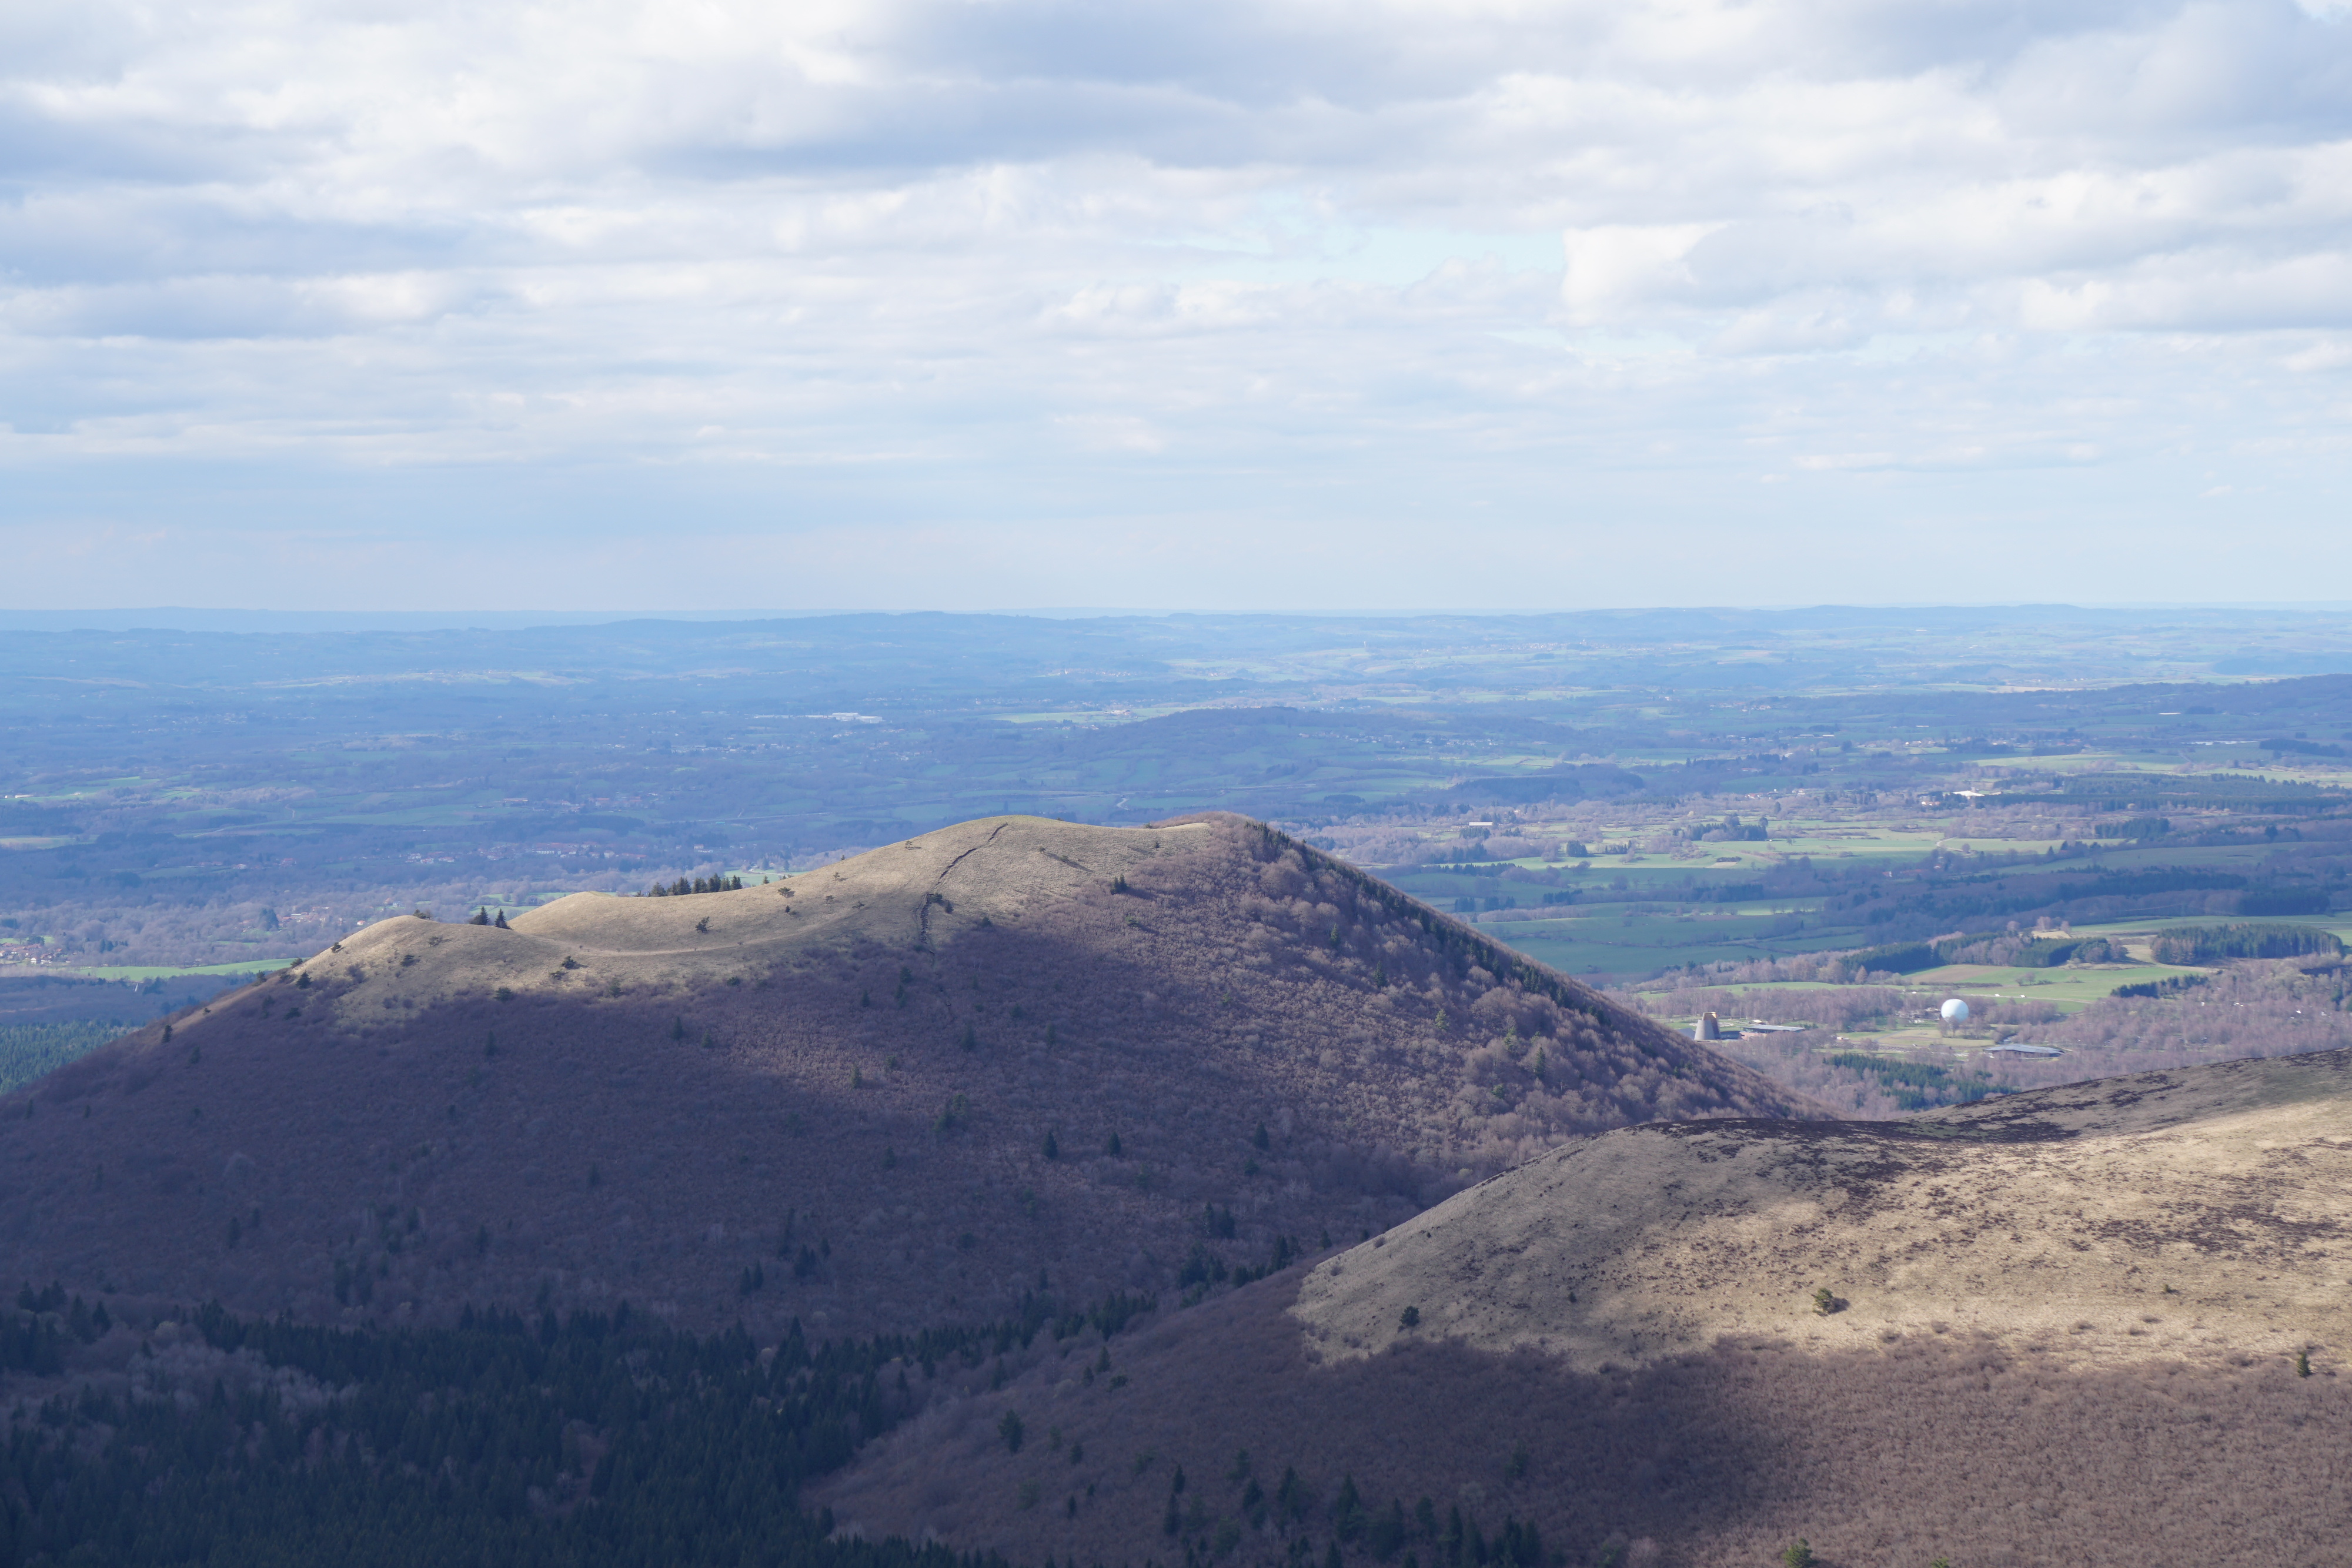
(2107, 1324)
(1011, 1060)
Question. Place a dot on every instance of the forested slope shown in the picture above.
(895, 1091)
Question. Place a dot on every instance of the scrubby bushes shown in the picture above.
(1884, 1453)
(2250, 1008)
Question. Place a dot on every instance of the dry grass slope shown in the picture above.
(2074, 1329)
(832, 1098)
(2201, 1210)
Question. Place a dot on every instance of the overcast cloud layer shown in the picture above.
(1206, 303)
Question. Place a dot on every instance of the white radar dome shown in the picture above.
(1956, 1011)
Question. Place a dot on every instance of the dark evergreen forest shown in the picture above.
(505, 1442)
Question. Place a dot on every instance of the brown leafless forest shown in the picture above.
(1246, 1046)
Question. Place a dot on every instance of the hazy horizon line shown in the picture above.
(256, 619)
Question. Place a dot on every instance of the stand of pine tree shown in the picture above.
(592, 1440)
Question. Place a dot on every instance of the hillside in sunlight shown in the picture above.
(2104, 1324)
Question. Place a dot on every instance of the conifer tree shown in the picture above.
(1348, 1513)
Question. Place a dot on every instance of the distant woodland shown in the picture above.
(1591, 792)
(186, 800)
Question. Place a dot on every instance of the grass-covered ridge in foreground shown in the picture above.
(2104, 1324)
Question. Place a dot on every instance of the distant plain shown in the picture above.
(184, 808)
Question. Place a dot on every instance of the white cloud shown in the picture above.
(1615, 269)
(1304, 272)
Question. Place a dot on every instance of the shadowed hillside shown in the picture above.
(1014, 1057)
(2103, 1325)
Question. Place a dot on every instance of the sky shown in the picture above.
(969, 304)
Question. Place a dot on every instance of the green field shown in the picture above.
(2070, 988)
(142, 972)
(1912, 1042)
(1611, 944)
